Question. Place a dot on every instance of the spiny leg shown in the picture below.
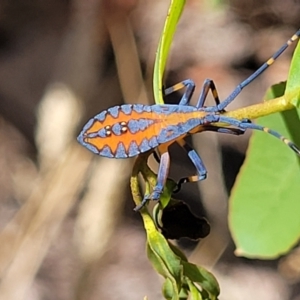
(239, 88)
(187, 95)
(246, 124)
(207, 86)
(162, 175)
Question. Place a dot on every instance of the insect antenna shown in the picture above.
(260, 70)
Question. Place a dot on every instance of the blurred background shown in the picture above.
(68, 230)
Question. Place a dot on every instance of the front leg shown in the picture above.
(187, 95)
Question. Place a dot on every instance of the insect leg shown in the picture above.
(239, 88)
(208, 85)
(220, 129)
(162, 175)
(197, 162)
(187, 95)
(246, 124)
(196, 159)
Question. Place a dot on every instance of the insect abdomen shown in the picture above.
(127, 130)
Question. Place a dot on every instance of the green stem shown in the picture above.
(262, 109)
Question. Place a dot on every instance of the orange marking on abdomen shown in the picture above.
(110, 120)
(161, 121)
(126, 138)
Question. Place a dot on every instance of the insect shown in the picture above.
(127, 130)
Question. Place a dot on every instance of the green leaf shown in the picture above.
(276, 90)
(200, 275)
(264, 203)
(195, 293)
(167, 192)
(168, 290)
(158, 263)
(293, 86)
(184, 293)
(161, 248)
(178, 252)
(161, 255)
(171, 263)
(174, 13)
